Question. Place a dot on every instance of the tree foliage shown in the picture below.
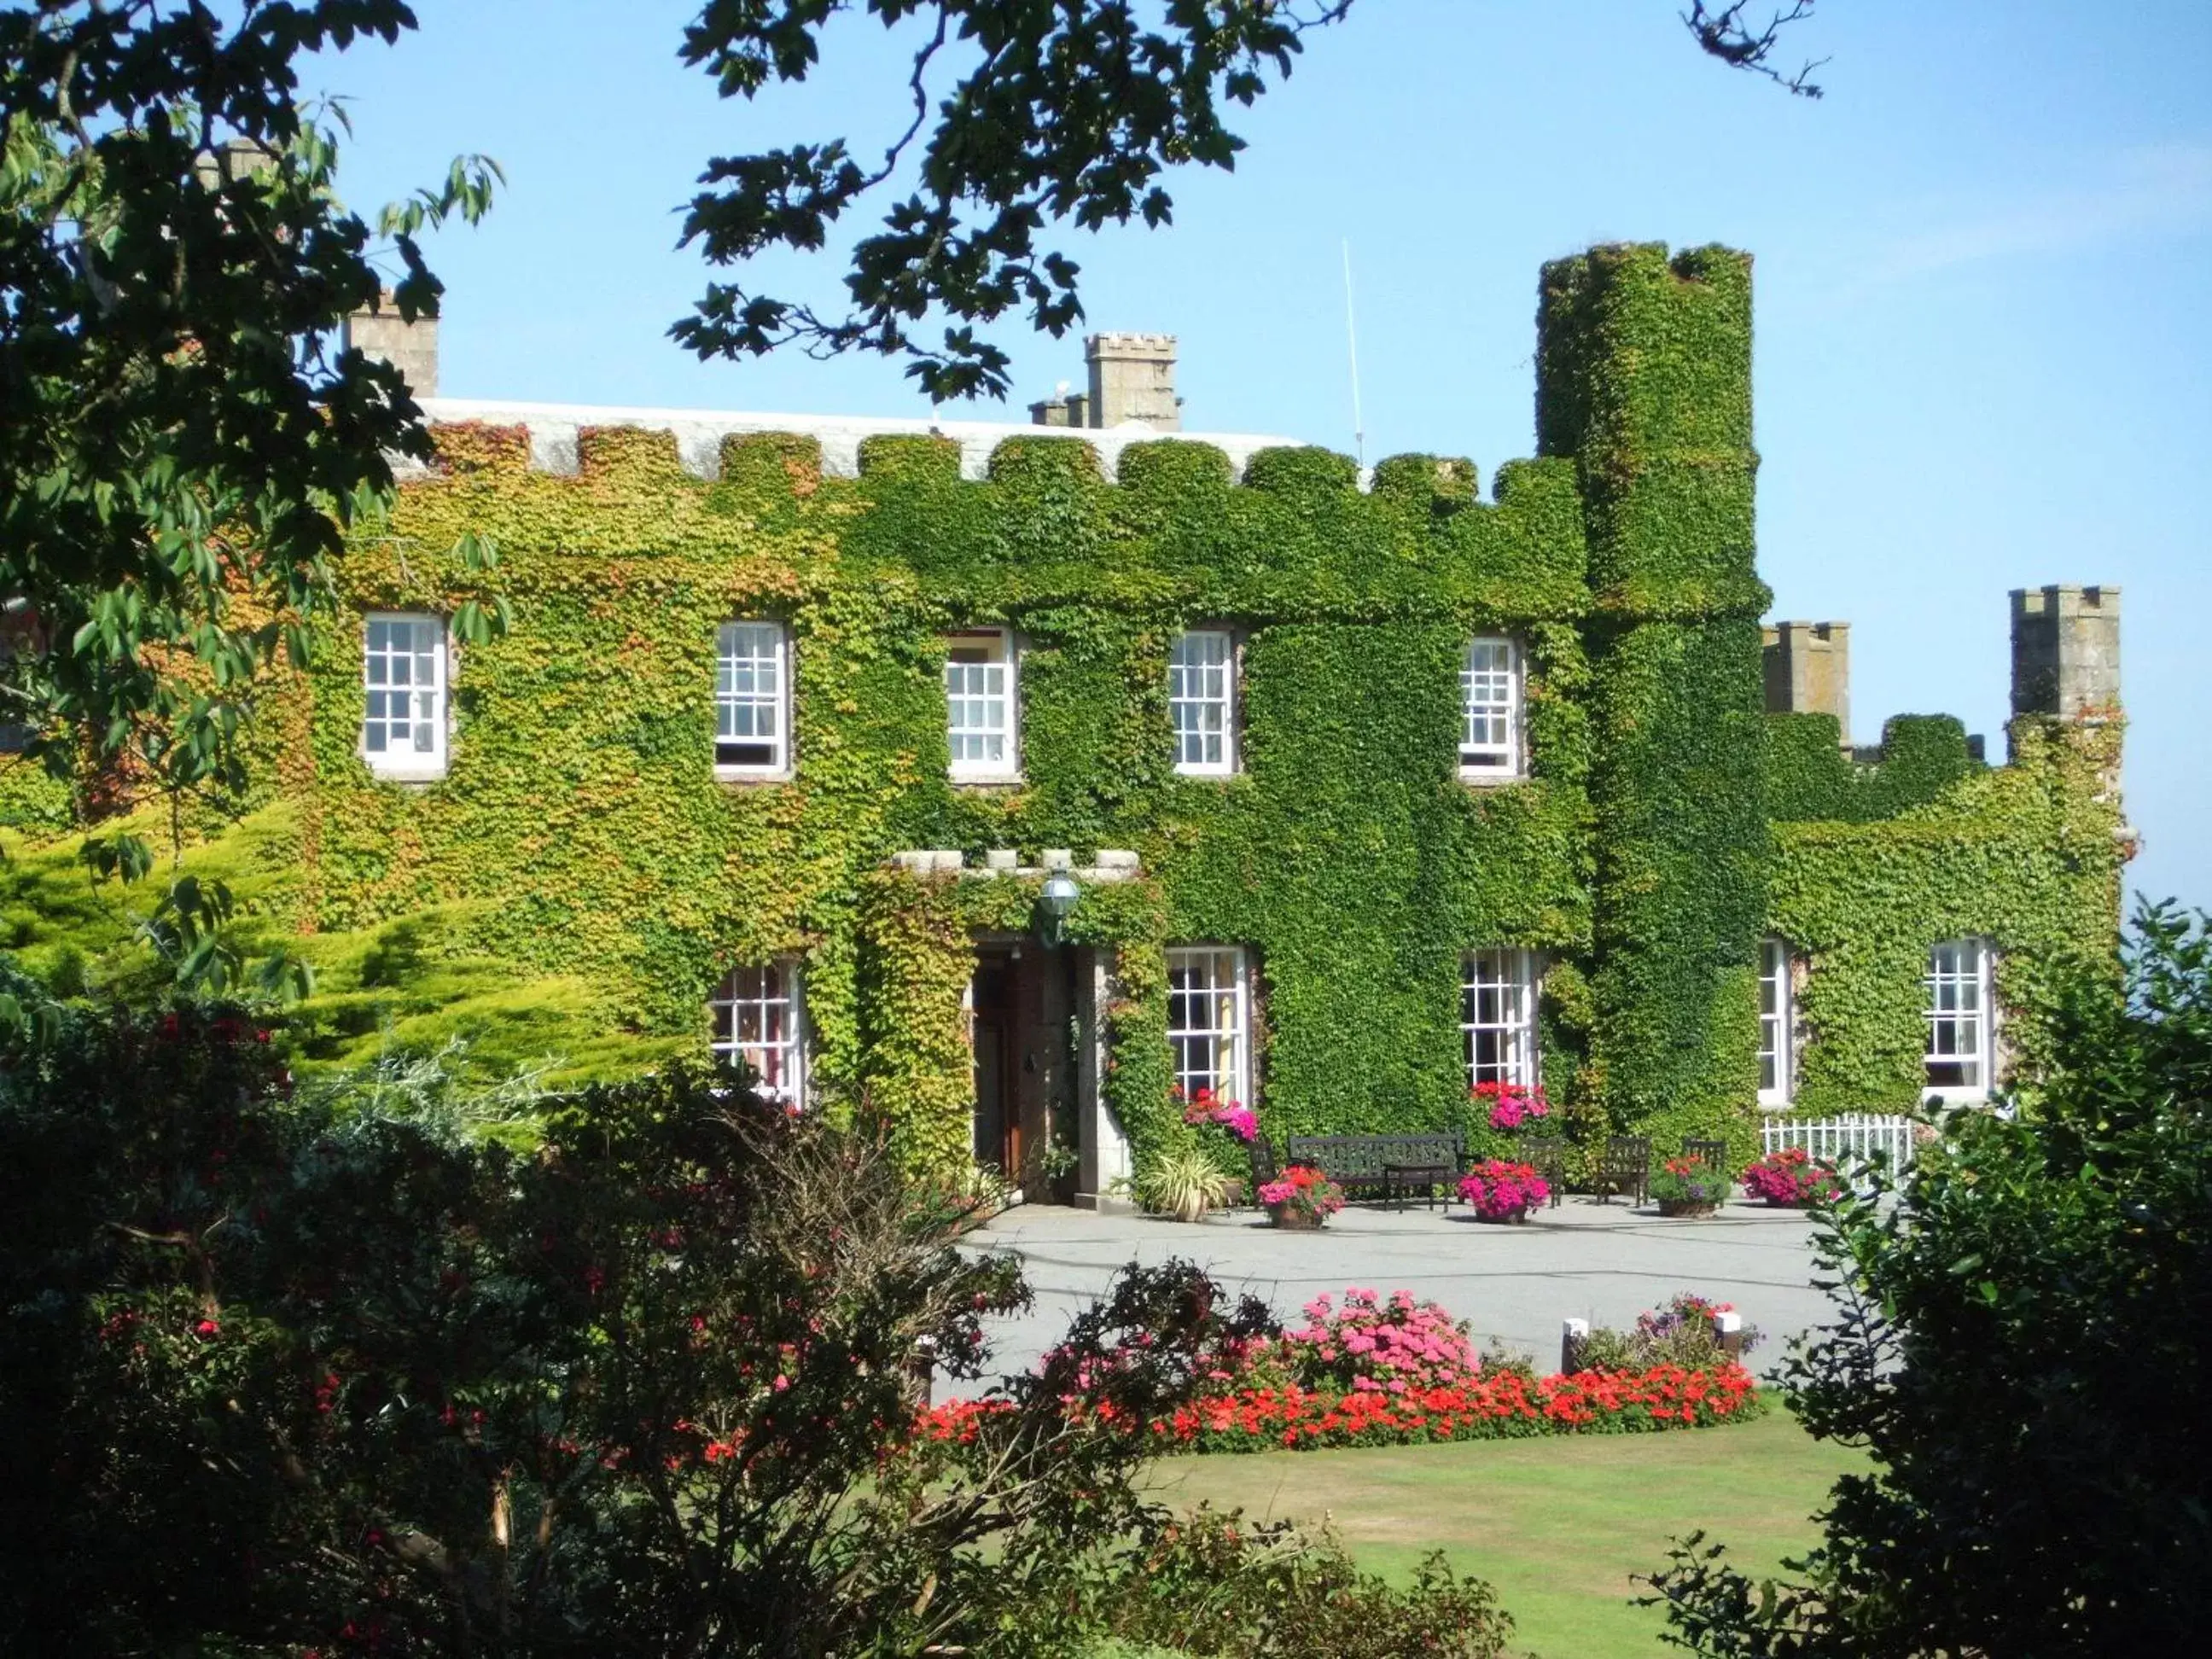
(338, 1375)
(184, 436)
(183, 439)
(1058, 113)
(2022, 1348)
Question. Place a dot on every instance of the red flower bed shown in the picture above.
(1500, 1404)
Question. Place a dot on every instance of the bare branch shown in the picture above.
(1722, 33)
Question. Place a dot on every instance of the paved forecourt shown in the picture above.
(1605, 1263)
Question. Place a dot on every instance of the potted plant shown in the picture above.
(1503, 1193)
(1689, 1187)
(1791, 1179)
(1182, 1182)
(1304, 1200)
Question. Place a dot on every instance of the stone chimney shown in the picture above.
(1809, 670)
(232, 160)
(1133, 379)
(1063, 408)
(2066, 652)
(411, 348)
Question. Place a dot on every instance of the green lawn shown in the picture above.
(1558, 1525)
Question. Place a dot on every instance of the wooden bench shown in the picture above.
(1392, 1166)
(1713, 1154)
(1626, 1168)
(1548, 1156)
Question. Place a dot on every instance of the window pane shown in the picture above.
(1489, 685)
(1774, 1021)
(750, 680)
(403, 678)
(1498, 1016)
(1201, 669)
(979, 704)
(1207, 1021)
(755, 1019)
(1957, 1028)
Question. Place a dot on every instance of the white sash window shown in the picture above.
(759, 1018)
(1209, 1022)
(752, 698)
(1490, 710)
(403, 728)
(979, 705)
(1777, 1063)
(1960, 1025)
(1497, 1017)
(1202, 702)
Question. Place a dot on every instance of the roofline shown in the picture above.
(699, 433)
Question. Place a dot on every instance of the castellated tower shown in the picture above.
(2066, 652)
(1133, 379)
(1808, 671)
(1644, 381)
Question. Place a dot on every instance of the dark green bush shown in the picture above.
(347, 1372)
(2023, 1346)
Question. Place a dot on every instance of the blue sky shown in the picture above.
(1985, 319)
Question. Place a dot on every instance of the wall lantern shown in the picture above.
(1053, 905)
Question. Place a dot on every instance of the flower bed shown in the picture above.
(1395, 1370)
(1507, 1405)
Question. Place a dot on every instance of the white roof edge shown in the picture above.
(699, 433)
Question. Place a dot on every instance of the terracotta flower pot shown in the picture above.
(1691, 1207)
(1295, 1218)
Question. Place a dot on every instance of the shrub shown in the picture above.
(2020, 1342)
(1679, 1332)
(1218, 1584)
(1182, 1181)
(1374, 1342)
(347, 1376)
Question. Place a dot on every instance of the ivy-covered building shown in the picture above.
(1370, 789)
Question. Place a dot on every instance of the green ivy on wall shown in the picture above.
(579, 880)
(2026, 857)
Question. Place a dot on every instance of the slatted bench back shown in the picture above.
(1362, 1159)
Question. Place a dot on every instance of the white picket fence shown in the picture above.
(1864, 1134)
